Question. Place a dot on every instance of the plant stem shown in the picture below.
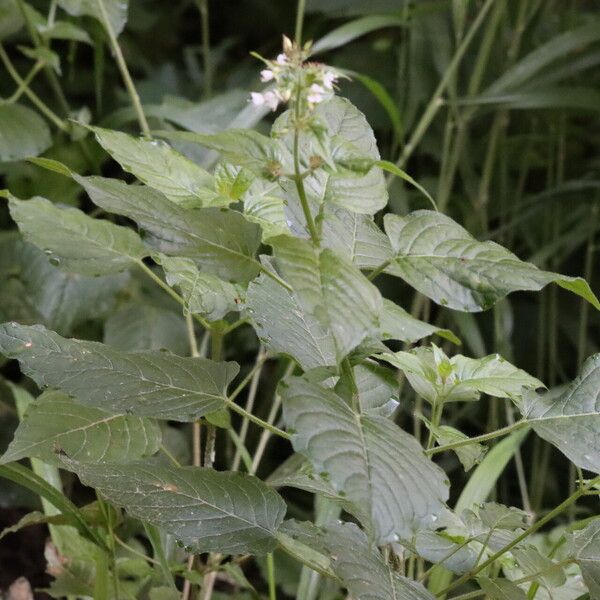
(40, 105)
(171, 292)
(301, 8)
(25, 82)
(480, 438)
(254, 378)
(264, 424)
(380, 269)
(271, 576)
(135, 99)
(535, 527)
(299, 181)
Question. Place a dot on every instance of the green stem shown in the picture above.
(380, 269)
(301, 9)
(148, 271)
(299, 181)
(271, 576)
(40, 105)
(25, 83)
(480, 438)
(135, 99)
(535, 527)
(264, 424)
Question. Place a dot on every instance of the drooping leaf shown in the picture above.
(264, 206)
(23, 132)
(397, 324)
(55, 423)
(11, 18)
(204, 509)
(74, 241)
(246, 148)
(145, 326)
(435, 376)
(116, 11)
(396, 490)
(469, 455)
(331, 310)
(160, 167)
(220, 241)
(151, 384)
(442, 260)
(571, 421)
(530, 560)
(377, 389)
(203, 293)
(584, 546)
(344, 127)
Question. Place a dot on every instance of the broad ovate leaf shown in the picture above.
(219, 240)
(440, 259)
(345, 131)
(150, 384)
(396, 490)
(161, 167)
(55, 423)
(330, 311)
(74, 241)
(434, 376)
(501, 589)
(571, 419)
(203, 293)
(23, 133)
(204, 509)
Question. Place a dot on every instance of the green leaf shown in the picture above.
(232, 182)
(203, 293)
(55, 423)
(157, 165)
(64, 30)
(246, 148)
(443, 261)
(532, 562)
(11, 18)
(144, 326)
(74, 241)
(469, 455)
(397, 324)
(204, 509)
(437, 548)
(331, 310)
(219, 240)
(345, 127)
(435, 376)
(571, 419)
(23, 132)
(584, 546)
(395, 489)
(115, 9)
(263, 206)
(151, 384)
(501, 589)
(361, 568)
(377, 388)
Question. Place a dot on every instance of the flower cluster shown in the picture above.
(294, 80)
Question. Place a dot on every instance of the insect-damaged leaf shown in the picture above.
(206, 510)
(150, 384)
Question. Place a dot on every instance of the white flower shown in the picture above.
(266, 75)
(315, 88)
(281, 59)
(329, 78)
(316, 94)
(314, 98)
(271, 100)
(257, 99)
